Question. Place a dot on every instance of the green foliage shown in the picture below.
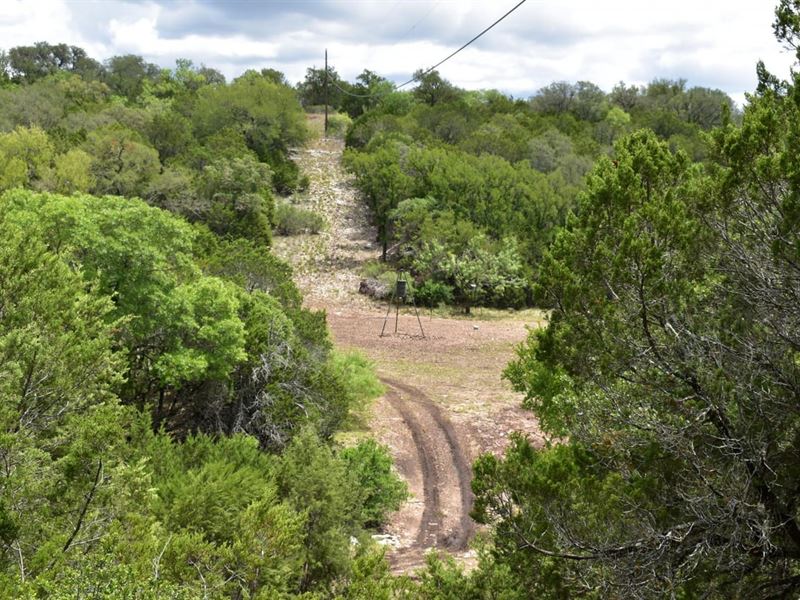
(338, 125)
(239, 197)
(122, 163)
(127, 75)
(153, 371)
(72, 172)
(293, 220)
(433, 293)
(30, 63)
(383, 491)
(648, 368)
(319, 87)
(441, 237)
(170, 133)
(113, 128)
(286, 176)
(246, 264)
(482, 274)
(267, 114)
(327, 493)
(95, 492)
(432, 89)
(189, 337)
(60, 425)
(25, 156)
(174, 190)
(361, 383)
(508, 169)
(444, 579)
(369, 90)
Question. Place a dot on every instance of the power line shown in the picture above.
(441, 62)
(444, 60)
(346, 93)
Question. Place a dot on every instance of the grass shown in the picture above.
(534, 317)
(337, 123)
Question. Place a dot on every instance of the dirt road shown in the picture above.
(443, 467)
(445, 403)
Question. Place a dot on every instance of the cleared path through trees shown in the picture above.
(445, 401)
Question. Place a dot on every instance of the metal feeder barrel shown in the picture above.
(401, 289)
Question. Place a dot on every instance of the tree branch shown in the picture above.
(89, 498)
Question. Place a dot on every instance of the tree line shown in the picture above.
(468, 187)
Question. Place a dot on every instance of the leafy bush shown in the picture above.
(433, 293)
(240, 200)
(374, 269)
(482, 274)
(383, 490)
(359, 374)
(286, 177)
(338, 125)
(293, 220)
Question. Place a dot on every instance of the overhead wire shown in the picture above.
(477, 37)
(440, 63)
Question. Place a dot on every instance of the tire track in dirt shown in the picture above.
(446, 475)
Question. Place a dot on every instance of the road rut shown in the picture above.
(445, 473)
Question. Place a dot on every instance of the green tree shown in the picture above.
(322, 488)
(31, 63)
(170, 133)
(668, 366)
(60, 425)
(246, 263)
(624, 96)
(127, 75)
(383, 491)
(707, 108)
(316, 89)
(266, 114)
(72, 172)
(174, 189)
(122, 163)
(558, 97)
(366, 93)
(5, 65)
(25, 156)
(385, 185)
(240, 201)
(433, 89)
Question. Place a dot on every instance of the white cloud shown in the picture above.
(715, 43)
(21, 22)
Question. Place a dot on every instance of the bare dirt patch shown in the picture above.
(446, 402)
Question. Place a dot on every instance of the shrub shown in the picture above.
(374, 269)
(433, 293)
(338, 125)
(382, 490)
(292, 220)
(286, 177)
(359, 373)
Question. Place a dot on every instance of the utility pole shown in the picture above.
(326, 92)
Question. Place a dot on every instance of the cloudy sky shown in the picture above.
(713, 43)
